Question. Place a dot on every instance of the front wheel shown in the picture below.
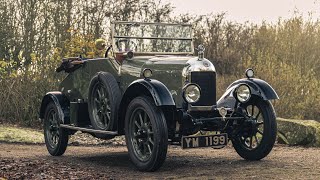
(258, 132)
(146, 134)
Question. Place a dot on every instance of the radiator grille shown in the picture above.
(207, 83)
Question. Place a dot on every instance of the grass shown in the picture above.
(303, 129)
(20, 135)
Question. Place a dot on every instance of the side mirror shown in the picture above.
(100, 44)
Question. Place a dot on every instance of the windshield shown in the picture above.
(152, 37)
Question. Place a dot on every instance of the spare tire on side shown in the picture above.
(103, 102)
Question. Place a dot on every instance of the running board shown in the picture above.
(89, 130)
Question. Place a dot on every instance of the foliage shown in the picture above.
(35, 35)
(284, 54)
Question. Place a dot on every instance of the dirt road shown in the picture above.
(96, 162)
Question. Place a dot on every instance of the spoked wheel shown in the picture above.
(103, 102)
(146, 134)
(258, 132)
(56, 138)
(101, 106)
(141, 134)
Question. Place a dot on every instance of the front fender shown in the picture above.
(61, 102)
(159, 92)
(258, 87)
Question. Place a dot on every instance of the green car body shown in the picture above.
(167, 70)
(158, 69)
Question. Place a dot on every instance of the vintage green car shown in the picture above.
(151, 88)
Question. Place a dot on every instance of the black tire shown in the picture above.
(56, 138)
(256, 141)
(147, 140)
(103, 101)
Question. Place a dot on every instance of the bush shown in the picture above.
(285, 54)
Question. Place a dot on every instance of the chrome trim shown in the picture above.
(130, 22)
(114, 62)
(196, 66)
(236, 93)
(201, 108)
(184, 91)
(209, 108)
(113, 40)
(201, 50)
(247, 73)
(160, 53)
(223, 111)
(204, 65)
(164, 38)
(191, 39)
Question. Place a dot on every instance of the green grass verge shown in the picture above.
(20, 135)
(292, 132)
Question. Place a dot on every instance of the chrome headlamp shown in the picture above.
(191, 93)
(249, 73)
(243, 93)
(146, 73)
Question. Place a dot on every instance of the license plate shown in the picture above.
(217, 140)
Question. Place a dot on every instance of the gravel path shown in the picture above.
(112, 162)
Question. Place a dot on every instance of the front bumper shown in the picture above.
(201, 108)
(200, 121)
(216, 114)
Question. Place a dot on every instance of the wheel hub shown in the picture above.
(251, 126)
(53, 128)
(143, 134)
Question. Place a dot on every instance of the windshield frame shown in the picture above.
(114, 37)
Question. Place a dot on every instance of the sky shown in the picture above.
(248, 10)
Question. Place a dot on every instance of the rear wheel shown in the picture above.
(258, 133)
(56, 138)
(146, 134)
(103, 102)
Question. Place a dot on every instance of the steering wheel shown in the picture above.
(126, 41)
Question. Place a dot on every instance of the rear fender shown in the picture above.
(61, 102)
